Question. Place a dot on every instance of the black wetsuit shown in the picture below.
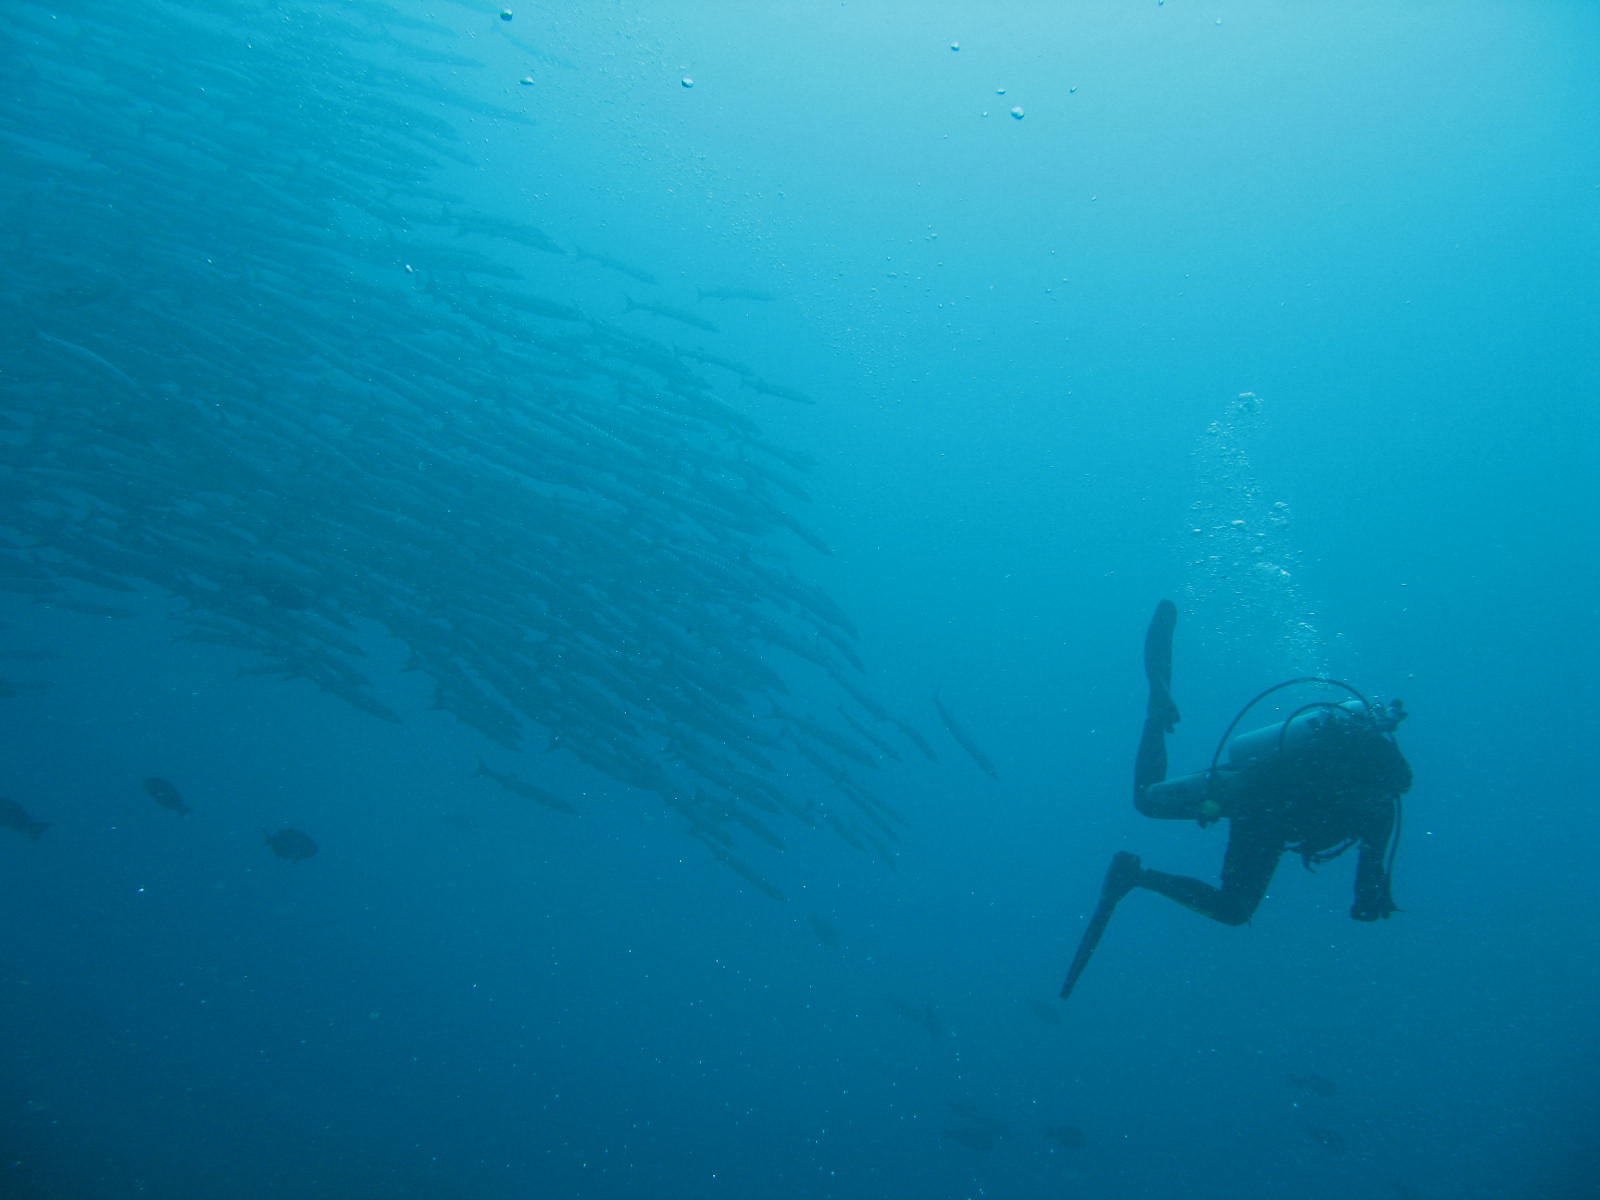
(1335, 789)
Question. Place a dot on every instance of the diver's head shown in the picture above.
(1355, 749)
(1390, 715)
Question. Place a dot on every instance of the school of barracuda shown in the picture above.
(254, 362)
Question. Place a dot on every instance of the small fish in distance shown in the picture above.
(164, 794)
(291, 844)
(14, 816)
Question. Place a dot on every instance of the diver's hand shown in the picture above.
(1372, 908)
(1226, 796)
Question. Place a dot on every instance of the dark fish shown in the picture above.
(877, 743)
(164, 794)
(671, 314)
(510, 231)
(964, 739)
(925, 1015)
(982, 1131)
(1049, 1013)
(1069, 1136)
(518, 786)
(974, 1115)
(778, 390)
(916, 739)
(746, 872)
(14, 816)
(84, 355)
(827, 932)
(291, 844)
(111, 612)
(280, 593)
(612, 264)
(727, 364)
(1315, 1084)
(974, 1138)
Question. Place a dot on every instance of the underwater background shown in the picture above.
(573, 577)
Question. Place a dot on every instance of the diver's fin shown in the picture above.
(1121, 876)
(1158, 663)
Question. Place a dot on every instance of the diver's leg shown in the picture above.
(1161, 713)
(1150, 765)
(1253, 853)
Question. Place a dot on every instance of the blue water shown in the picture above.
(1285, 312)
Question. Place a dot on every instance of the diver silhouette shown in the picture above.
(1327, 778)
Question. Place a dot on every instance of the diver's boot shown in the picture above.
(1122, 876)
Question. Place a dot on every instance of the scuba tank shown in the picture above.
(1299, 729)
(1304, 723)
(1181, 795)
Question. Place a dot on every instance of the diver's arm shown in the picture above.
(1373, 901)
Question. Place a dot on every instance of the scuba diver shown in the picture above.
(1328, 778)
